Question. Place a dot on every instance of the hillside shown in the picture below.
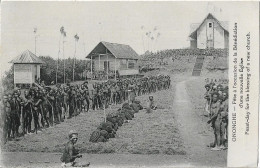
(182, 60)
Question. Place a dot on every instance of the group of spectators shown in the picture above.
(216, 108)
(158, 58)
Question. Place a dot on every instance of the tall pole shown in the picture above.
(142, 27)
(74, 60)
(57, 68)
(74, 63)
(35, 46)
(100, 38)
(35, 36)
(64, 62)
(86, 60)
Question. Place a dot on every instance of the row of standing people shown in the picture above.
(42, 106)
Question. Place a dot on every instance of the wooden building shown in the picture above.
(113, 58)
(26, 68)
(210, 33)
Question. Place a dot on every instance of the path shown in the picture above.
(194, 131)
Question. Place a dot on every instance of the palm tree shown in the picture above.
(148, 34)
(57, 68)
(76, 37)
(64, 64)
(35, 31)
(156, 39)
(152, 45)
(142, 27)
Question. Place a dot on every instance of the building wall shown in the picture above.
(201, 36)
(34, 72)
(112, 63)
(38, 71)
(204, 33)
(219, 41)
(226, 39)
(119, 64)
(193, 44)
(23, 73)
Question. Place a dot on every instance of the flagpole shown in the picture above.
(64, 62)
(73, 77)
(35, 46)
(35, 36)
(57, 68)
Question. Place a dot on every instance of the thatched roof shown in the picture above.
(117, 50)
(27, 57)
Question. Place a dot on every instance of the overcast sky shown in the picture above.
(118, 22)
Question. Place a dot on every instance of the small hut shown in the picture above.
(26, 68)
(112, 59)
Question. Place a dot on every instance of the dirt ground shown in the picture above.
(175, 135)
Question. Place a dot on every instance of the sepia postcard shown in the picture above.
(129, 84)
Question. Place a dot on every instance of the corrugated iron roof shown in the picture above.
(118, 50)
(195, 26)
(27, 57)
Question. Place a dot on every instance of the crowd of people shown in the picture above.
(216, 108)
(42, 106)
(186, 52)
(151, 60)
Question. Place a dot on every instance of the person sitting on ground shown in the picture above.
(151, 105)
(71, 153)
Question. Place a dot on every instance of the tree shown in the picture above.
(8, 80)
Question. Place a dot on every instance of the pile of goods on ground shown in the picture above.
(115, 120)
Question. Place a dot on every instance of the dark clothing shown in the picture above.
(70, 153)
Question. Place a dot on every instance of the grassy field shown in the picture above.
(155, 133)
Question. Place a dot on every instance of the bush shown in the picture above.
(8, 80)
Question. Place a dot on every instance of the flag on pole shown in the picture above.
(35, 30)
(76, 37)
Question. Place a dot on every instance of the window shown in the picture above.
(123, 64)
(210, 25)
(131, 65)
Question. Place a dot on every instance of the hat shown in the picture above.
(207, 85)
(215, 93)
(72, 133)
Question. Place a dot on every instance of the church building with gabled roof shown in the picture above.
(210, 33)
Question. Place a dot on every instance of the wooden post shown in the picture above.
(115, 68)
(99, 75)
(91, 67)
(104, 106)
(107, 67)
(98, 62)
